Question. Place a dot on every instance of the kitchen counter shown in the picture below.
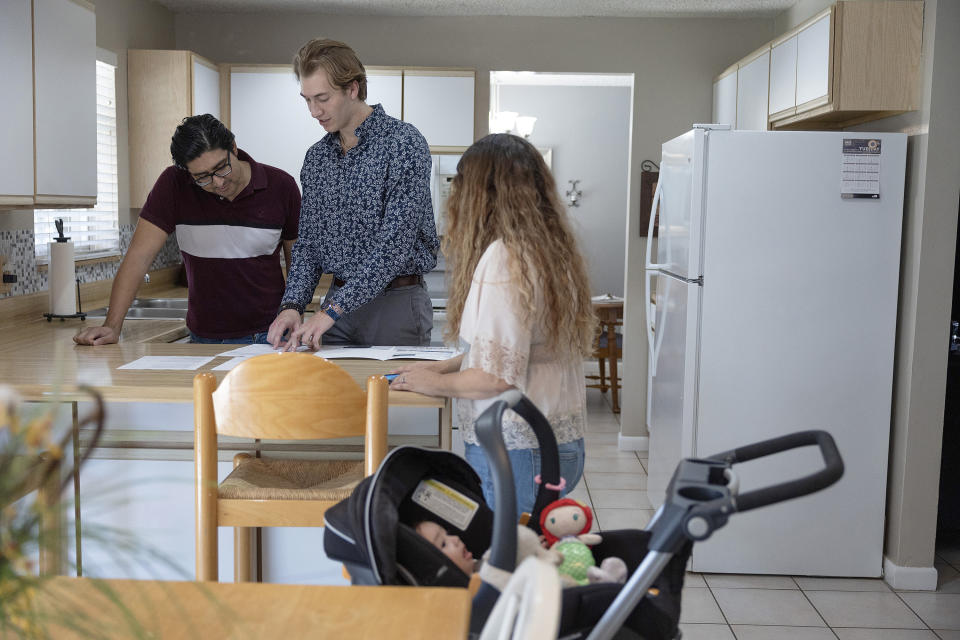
(145, 454)
(40, 357)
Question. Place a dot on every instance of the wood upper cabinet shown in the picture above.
(725, 98)
(49, 151)
(163, 88)
(851, 63)
(752, 89)
(439, 103)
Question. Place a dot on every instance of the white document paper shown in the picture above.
(230, 364)
(370, 353)
(423, 353)
(254, 350)
(386, 353)
(168, 363)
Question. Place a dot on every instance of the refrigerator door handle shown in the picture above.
(655, 349)
(657, 194)
(650, 268)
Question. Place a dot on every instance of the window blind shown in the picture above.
(94, 232)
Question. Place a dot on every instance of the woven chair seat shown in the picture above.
(278, 479)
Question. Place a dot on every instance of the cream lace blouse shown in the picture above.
(497, 342)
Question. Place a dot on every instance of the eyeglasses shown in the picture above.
(206, 178)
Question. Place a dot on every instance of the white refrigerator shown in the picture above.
(776, 276)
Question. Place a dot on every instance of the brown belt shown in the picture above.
(399, 281)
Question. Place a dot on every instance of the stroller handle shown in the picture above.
(503, 547)
(831, 472)
(702, 493)
(546, 441)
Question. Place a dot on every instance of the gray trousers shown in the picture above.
(400, 316)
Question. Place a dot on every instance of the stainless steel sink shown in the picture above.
(159, 303)
(150, 309)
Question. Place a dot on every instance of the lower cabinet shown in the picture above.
(137, 518)
(137, 501)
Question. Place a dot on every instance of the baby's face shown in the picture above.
(452, 546)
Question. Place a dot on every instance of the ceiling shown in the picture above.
(543, 8)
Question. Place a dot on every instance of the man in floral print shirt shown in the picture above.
(366, 216)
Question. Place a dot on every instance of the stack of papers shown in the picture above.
(168, 363)
(333, 352)
(387, 353)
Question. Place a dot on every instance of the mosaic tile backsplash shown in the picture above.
(18, 247)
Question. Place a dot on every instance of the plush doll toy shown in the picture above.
(565, 524)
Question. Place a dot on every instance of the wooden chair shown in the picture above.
(608, 348)
(283, 396)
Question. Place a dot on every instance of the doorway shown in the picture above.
(581, 123)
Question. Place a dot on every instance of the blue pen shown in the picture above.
(390, 376)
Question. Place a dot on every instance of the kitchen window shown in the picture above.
(94, 232)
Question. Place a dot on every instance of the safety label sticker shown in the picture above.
(445, 502)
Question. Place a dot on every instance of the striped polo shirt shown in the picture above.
(231, 249)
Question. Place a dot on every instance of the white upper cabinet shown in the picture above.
(725, 99)
(16, 108)
(385, 87)
(440, 104)
(206, 87)
(269, 117)
(272, 122)
(752, 92)
(850, 63)
(65, 81)
(783, 76)
(813, 61)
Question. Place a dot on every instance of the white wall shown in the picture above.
(587, 130)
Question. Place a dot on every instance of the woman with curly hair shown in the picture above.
(519, 303)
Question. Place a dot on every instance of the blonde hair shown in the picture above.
(504, 191)
(341, 63)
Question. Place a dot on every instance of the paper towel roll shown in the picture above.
(63, 276)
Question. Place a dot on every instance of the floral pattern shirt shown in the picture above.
(500, 343)
(366, 215)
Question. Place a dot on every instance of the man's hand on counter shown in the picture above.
(287, 320)
(309, 332)
(97, 335)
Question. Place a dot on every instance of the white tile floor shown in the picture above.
(764, 607)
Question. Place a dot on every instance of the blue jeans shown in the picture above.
(526, 465)
(256, 338)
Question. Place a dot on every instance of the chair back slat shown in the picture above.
(269, 397)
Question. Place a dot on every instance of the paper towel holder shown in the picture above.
(58, 223)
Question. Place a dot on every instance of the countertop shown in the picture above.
(41, 360)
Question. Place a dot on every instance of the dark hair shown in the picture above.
(195, 136)
(341, 63)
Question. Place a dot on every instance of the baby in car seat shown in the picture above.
(451, 546)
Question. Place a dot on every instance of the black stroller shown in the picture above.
(371, 532)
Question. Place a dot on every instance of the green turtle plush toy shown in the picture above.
(565, 524)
